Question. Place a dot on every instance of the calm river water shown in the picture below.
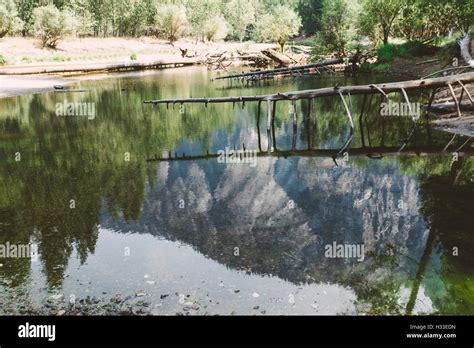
(117, 234)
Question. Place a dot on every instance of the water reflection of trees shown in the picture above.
(64, 159)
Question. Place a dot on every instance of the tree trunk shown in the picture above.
(390, 87)
(278, 58)
(464, 44)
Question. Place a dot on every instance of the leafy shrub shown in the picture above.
(367, 67)
(386, 53)
(171, 21)
(133, 56)
(278, 26)
(51, 25)
(413, 49)
(9, 21)
(215, 28)
(381, 67)
(60, 58)
(3, 60)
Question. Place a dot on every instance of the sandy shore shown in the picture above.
(11, 86)
(24, 56)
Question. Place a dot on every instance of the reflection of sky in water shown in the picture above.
(228, 207)
(173, 267)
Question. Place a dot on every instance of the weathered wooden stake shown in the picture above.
(273, 125)
(458, 108)
(467, 92)
(269, 124)
(349, 113)
(360, 121)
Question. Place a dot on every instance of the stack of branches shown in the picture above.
(218, 61)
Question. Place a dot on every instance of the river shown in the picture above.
(117, 234)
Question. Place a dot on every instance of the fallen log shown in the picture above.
(96, 67)
(288, 70)
(445, 108)
(259, 60)
(332, 91)
(278, 58)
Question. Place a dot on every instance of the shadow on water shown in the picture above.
(320, 185)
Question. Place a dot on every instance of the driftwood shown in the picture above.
(278, 58)
(300, 49)
(184, 52)
(283, 71)
(98, 67)
(385, 88)
(217, 61)
(442, 108)
(257, 60)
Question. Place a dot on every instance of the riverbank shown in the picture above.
(75, 58)
(32, 69)
(19, 51)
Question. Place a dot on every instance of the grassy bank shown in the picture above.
(413, 58)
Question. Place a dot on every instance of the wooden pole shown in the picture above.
(360, 121)
(349, 112)
(295, 123)
(269, 125)
(333, 91)
(258, 125)
(308, 123)
(279, 71)
(467, 92)
(458, 108)
(273, 125)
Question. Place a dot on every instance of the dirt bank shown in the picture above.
(25, 56)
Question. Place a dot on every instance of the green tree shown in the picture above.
(215, 28)
(278, 26)
(171, 21)
(201, 14)
(81, 11)
(51, 25)
(310, 12)
(240, 14)
(463, 14)
(378, 17)
(9, 21)
(335, 24)
(25, 12)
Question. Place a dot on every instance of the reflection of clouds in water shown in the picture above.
(192, 189)
(423, 304)
(171, 267)
(237, 205)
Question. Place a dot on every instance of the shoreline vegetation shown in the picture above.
(71, 38)
(51, 44)
(48, 44)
